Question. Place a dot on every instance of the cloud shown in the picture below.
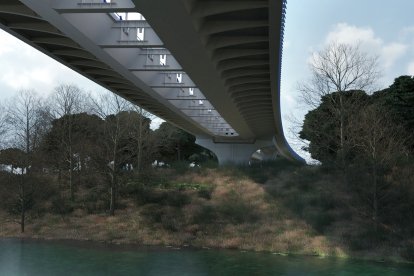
(24, 67)
(410, 68)
(407, 35)
(156, 122)
(407, 32)
(369, 42)
(7, 43)
(392, 52)
(349, 34)
(289, 100)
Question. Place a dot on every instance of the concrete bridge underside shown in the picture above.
(210, 67)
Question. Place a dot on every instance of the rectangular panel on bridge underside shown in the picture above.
(145, 59)
(106, 32)
(165, 79)
(93, 6)
(135, 46)
(191, 93)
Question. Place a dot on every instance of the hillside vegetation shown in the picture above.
(276, 207)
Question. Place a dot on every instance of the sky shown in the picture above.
(382, 28)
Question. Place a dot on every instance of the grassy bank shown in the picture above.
(275, 207)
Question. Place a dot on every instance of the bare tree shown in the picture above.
(109, 107)
(3, 126)
(23, 119)
(67, 100)
(380, 143)
(335, 70)
(141, 136)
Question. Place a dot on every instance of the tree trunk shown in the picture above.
(71, 188)
(341, 131)
(59, 177)
(72, 193)
(375, 197)
(26, 172)
(139, 154)
(113, 181)
(79, 167)
(22, 205)
(113, 194)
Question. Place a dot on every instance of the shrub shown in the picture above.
(170, 218)
(321, 220)
(209, 164)
(153, 213)
(234, 209)
(177, 199)
(296, 204)
(96, 206)
(367, 239)
(258, 176)
(408, 252)
(95, 200)
(205, 215)
(148, 195)
(61, 206)
(205, 193)
(180, 166)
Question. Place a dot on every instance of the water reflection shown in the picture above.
(46, 258)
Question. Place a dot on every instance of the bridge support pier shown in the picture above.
(233, 153)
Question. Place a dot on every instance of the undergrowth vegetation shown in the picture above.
(273, 206)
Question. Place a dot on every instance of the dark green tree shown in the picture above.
(85, 132)
(322, 129)
(67, 100)
(339, 68)
(174, 144)
(399, 100)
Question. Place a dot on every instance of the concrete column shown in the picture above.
(234, 153)
(266, 154)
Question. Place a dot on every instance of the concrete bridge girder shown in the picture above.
(195, 105)
(75, 54)
(106, 32)
(180, 93)
(19, 10)
(143, 58)
(207, 119)
(93, 6)
(209, 114)
(72, 37)
(225, 54)
(160, 79)
(240, 80)
(139, 59)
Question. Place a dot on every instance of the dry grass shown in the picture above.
(241, 214)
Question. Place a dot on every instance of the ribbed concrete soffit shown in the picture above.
(156, 67)
(207, 66)
(110, 43)
(236, 35)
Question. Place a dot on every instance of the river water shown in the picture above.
(77, 258)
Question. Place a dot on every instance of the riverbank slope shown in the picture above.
(285, 209)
